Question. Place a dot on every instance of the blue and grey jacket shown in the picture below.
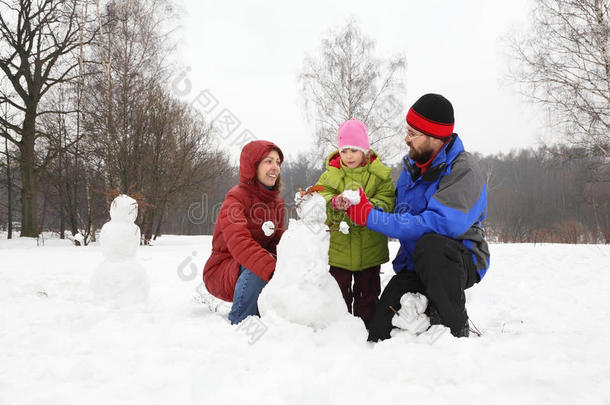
(449, 199)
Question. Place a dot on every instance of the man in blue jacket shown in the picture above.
(441, 201)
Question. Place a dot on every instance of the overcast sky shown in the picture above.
(247, 55)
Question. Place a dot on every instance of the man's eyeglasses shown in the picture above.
(412, 135)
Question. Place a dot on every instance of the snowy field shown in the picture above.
(544, 312)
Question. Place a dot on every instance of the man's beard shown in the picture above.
(420, 156)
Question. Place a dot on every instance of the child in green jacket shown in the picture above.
(360, 252)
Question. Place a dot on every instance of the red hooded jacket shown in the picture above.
(238, 237)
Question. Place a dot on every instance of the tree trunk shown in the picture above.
(29, 223)
(147, 225)
(159, 223)
(43, 215)
(9, 187)
(62, 223)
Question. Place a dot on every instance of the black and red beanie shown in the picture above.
(432, 115)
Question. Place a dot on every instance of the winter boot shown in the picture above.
(463, 332)
(432, 312)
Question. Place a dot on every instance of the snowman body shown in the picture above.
(302, 290)
(120, 280)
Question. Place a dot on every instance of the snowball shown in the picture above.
(411, 316)
(352, 195)
(344, 227)
(268, 228)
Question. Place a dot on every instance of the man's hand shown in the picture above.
(340, 203)
(359, 213)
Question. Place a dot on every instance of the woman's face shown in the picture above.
(352, 158)
(268, 169)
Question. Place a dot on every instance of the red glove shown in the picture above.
(359, 213)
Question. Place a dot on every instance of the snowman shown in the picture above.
(120, 280)
(302, 290)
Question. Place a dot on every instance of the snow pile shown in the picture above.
(302, 290)
(411, 316)
(120, 280)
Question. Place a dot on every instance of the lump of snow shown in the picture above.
(344, 227)
(268, 228)
(352, 195)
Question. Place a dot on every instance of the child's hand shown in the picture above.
(340, 203)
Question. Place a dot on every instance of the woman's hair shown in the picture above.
(278, 183)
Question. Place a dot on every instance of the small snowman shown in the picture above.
(412, 316)
(120, 280)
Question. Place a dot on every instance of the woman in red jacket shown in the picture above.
(243, 258)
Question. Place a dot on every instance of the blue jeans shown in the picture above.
(245, 298)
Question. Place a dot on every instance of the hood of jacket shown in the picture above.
(251, 155)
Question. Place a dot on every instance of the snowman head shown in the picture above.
(124, 209)
(312, 208)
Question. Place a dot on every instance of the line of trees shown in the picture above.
(555, 194)
(87, 112)
(558, 195)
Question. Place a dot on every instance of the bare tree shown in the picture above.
(347, 80)
(132, 50)
(178, 158)
(563, 63)
(37, 40)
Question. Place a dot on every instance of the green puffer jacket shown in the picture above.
(361, 248)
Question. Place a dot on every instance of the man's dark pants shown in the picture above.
(443, 270)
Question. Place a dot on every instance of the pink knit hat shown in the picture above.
(353, 134)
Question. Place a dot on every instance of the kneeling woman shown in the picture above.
(243, 258)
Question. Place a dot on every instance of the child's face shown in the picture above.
(352, 158)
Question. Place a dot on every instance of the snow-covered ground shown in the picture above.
(544, 312)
